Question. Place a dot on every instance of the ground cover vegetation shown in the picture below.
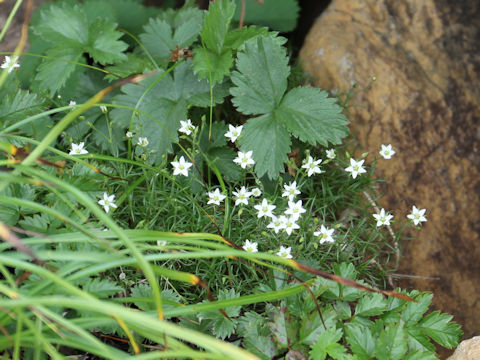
(171, 188)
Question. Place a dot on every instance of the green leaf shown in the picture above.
(371, 305)
(439, 327)
(421, 355)
(261, 79)
(279, 15)
(133, 64)
(224, 327)
(101, 288)
(99, 9)
(278, 327)
(327, 343)
(312, 325)
(418, 341)
(223, 158)
(238, 37)
(103, 44)
(270, 143)
(158, 39)
(18, 105)
(392, 343)
(131, 14)
(212, 66)
(63, 22)
(54, 73)
(217, 24)
(38, 223)
(413, 311)
(312, 117)
(360, 340)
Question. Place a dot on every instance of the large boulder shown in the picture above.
(425, 56)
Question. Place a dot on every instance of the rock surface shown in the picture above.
(426, 102)
(467, 350)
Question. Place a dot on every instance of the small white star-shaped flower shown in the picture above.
(278, 223)
(264, 209)
(161, 243)
(215, 197)
(107, 202)
(244, 159)
(383, 218)
(186, 127)
(417, 215)
(129, 134)
(72, 103)
(78, 149)
(142, 141)
(331, 154)
(181, 167)
(285, 252)
(356, 167)
(103, 109)
(291, 224)
(312, 166)
(325, 235)
(233, 132)
(10, 63)
(387, 152)
(250, 246)
(256, 192)
(295, 209)
(290, 190)
(241, 196)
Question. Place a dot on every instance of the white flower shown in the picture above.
(387, 152)
(122, 276)
(285, 252)
(186, 127)
(250, 246)
(10, 63)
(256, 192)
(290, 190)
(417, 215)
(215, 197)
(78, 149)
(291, 224)
(295, 209)
(103, 109)
(72, 103)
(233, 132)
(325, 235)
(264, 209)
(129, 134)
(278, 223)
(312, 166)
(181, 167)
(244, 159)
(107, 202)
(382, 218)
(161, 243)
(356, 167)
(241, 196)
(142, 141)
(331, 154)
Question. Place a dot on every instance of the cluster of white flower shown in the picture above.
(10, 63)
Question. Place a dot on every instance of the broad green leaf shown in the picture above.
(132, 15)
(224, 327)
(223, 158)
(371, 305)
(188, 24)
(217, 24)
(261, 79)
(19, 105)
(439, 327)
(98, 9)
(37, 223)
(327, 343)
(360, 340)
(63, 22)
(392, 344)
(278, 327)
(212, 66)
(143, 291)
(53, 73)
(101, 288)
(421, 355)
(238, 37)
(413, 311)
(312, 325)
(417, 340)
(279, 15)
(313, 117)
(158, 39)
(270, 143)
(103, 44)
(133, 64)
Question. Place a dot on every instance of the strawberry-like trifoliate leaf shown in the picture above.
(212, 66)
(103, 44)
(270, 142)
(313, 117)
(439, 327)
(217, 24)
(261, 79)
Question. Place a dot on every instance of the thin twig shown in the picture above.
(242, 15)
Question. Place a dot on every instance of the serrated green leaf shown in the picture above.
(132, 15)
(418, 341)
(224, 327)
(53, 73)
(18, 105)
(392, 343)
(143, 291)
(279, 15)
(441, 329)
(360, 340)
(103, 44)
(326, 343)
(313, 117)
(238, 37)
(421, 355)
(158, 39)
(217, 24)
(312, 325)
(101, 288)
(270, 143)
(37, 223)
(261, 79)
(278, 327)
(98, 9)
(413, 311)
(371, 305)
(63, 22)
(133, 64)
(212, 66)
(223, 159)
